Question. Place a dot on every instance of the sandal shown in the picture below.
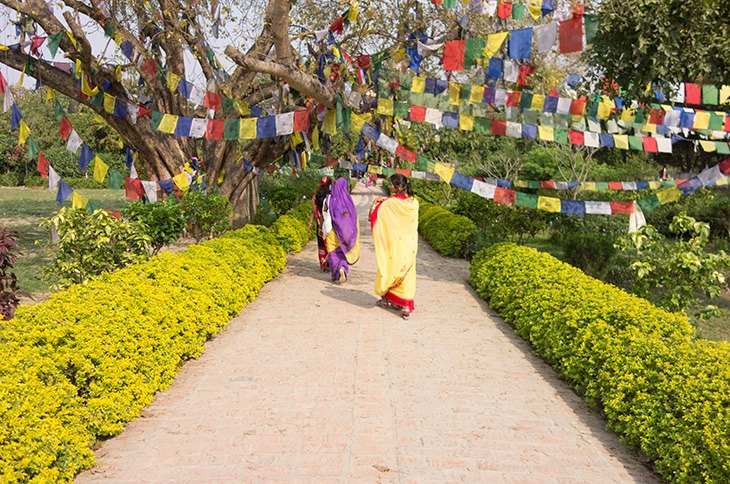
(384, 303)
(406, 314)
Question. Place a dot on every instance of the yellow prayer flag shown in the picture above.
(466, 122)
(604, 110)
(352, 13)
(4, 48)
(168, 123)
(385, 107)
(654, 184)
(621, 141)
(397, 55)
(477, 94)
(357, 121)
(329, 126)
(494, 42)
(454, 88)
(444, 172)
(648, 127)
(248, 128)
(21, 78)
(418, 84)
(100, 169)
(109, 101)
(77, 70)
(535, 10)
(546, 133)
(221, 177)
(50, 96)
(24, 132)
(181, 180)
(72, 38)
(669, 195)
(173, 80)
(86, 87)
(725, 95)
(78, 200)
(295, 139)
(549, 204)
(521, 184)
(377, 169)
(702, 120)
(538, 102)
(118, 73)
(588, 186)
(708, 146)
(243, 107)
(628, 115)
(724, 181)
(303, 160)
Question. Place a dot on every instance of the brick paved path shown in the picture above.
(314, 383)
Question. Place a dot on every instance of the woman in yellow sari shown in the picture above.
(394, 222)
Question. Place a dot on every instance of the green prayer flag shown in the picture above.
(547, 120)
(421, 163)
(93, 207)
(228, 104)
(418, 98)
(57, 111)
(640, 114)
(717, 122)
(527, 200)
(404, 95)
(346, 120)
(525, 100)
(28, 65)
(518, 11)
(465, 91)
(32, 148)
(710, 95)
(108, 28)
(482, 125)
(561, 136)
(54, 41)
(722, 148)
(401, 109)
(449, 3)
(533, 184)
(155, 119)
(231, 129)
(601, 186)
(116, 179)
(339, 117)
(636, 143)
(590, 24)
(649, 203)
(209, 54)
(98, 99)
(473, 51)
(529, 116)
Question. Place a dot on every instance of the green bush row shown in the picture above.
(446, 232)
(81, 365)
(660, 390)
(291, 228)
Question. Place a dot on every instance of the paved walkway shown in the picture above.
(314, 383)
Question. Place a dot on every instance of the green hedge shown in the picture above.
(446, 232)
(291, 228)
(660, 390)
(81, 365)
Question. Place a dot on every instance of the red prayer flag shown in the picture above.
(570, 35)
(66, 127)
(143, 111)
(301, 120)
(576, 137)
(212, 100)
(626, 208)
(498, 127)
(504, 10)
(36, 42)
(725, 166)
(656, 116)
(550, 184)
(578, 106)
(149, 67)
(364, 62)
(615, 186)
(453, 59)
(214, 130)
(43, 165)
(132, 188)
(417, 113)
(116, 215)
(524, 77)
(404, 172)
(406, 154)
(504, 196)
(513, 99)
(692, 93)
(337, 25)
(727, 123)
(650, 145)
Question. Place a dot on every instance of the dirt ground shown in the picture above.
(314, 383)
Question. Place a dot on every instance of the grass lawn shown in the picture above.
(22, 209)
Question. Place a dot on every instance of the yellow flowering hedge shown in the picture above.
(291, 228)
(445, 231)
(660, 389)
(81, 365)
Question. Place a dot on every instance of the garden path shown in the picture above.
(314, 383)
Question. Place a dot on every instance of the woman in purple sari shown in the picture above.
(343, 241)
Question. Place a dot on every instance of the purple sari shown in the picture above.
(345, 225)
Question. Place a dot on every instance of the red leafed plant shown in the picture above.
(8, 282)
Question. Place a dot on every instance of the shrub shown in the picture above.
(659, 389)
(208, 215)
(90, 245)
(81, 365)
(282, 198)
(447, 233)
(163, 222)
(291, 228)
(718, 215)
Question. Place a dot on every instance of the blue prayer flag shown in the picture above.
(185, 88)
(520, 44)
(370, 131)
(266, 127)
(129, 159)
(450, 120)
(183, 126)
(64, 191)
(462, 181)
(495, 71)
(127, 49)
(577, 207)
(529, 131)
(606, 140)
(120, 109)
(15, 116)
(166, 185)
(86, 156)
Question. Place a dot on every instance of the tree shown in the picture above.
(664, 42)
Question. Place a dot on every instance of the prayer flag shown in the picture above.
(150, 190)
(444, 172)
(198, 127)
(42, 165)
(168, 123)
(214, 130)
(100, 169)
(78, 200)
(116, 179)
(23, 133)
(54, 41)
(453, 58)
(86, 156)
(183, 125)
(266, 127)
(284, 124)
(545, 36)
(693, 93)
(109, 102)
(64, 191)
(248, 128)
(494, 43)
(571, 35)
(232, 129)
(520, 44)
(33, 148)
(181, 181)
(473, 51)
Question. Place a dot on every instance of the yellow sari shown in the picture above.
(395, 234)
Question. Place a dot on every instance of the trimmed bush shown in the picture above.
(447, 233)
(660, 390)
(81, 365)
(291, 228)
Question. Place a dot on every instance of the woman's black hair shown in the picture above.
(402, 180)
(322, 193)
